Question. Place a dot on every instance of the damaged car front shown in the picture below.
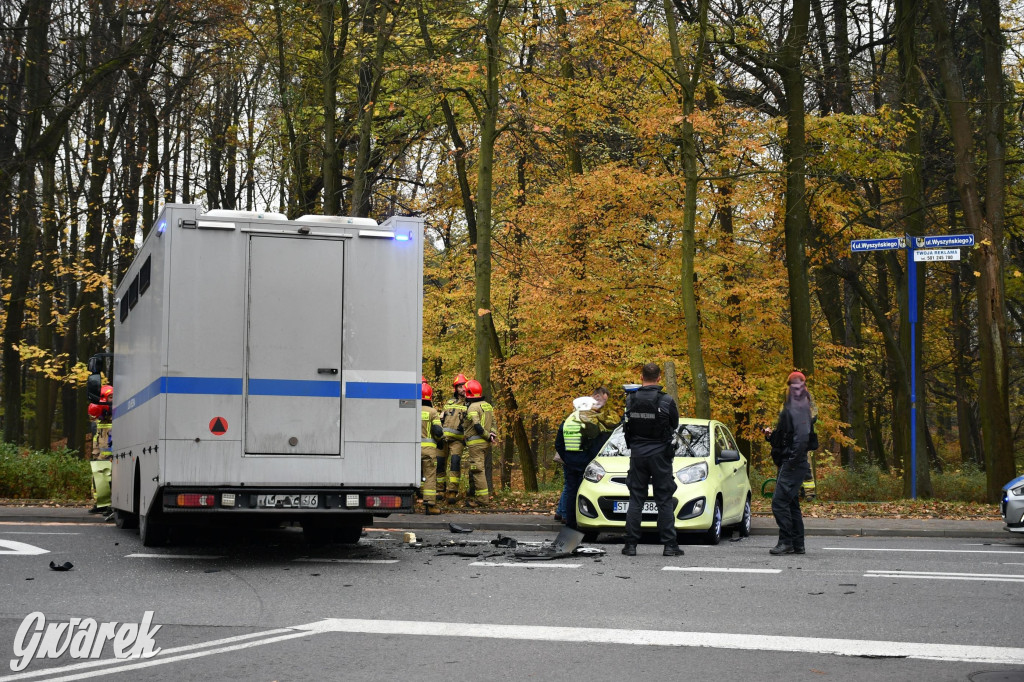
(712, 487)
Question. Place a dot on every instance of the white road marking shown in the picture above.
(524, 564)
(13, 547)
(161, 659)
(715, 569)
(34, 532)
(347, 561)
(938, 575)
(40, 523)
(163, 652)
(813, 645)
(172, 556)
(941, 551)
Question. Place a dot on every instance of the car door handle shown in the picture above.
(327, 370)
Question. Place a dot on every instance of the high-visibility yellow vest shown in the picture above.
(572, 432)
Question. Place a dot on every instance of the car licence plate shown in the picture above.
(287, 501)
(650, 507)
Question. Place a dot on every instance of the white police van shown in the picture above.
(268, 368)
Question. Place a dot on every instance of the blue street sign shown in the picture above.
(945, 240)
(887, 244)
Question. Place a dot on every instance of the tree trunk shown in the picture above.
(794, 153)
(987, 226)
(46, 388)
(688, 82)
(493, 15)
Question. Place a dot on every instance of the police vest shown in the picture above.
(572, 432)
(646, 419)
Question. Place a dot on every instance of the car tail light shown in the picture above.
(196, 500)
(384, 501)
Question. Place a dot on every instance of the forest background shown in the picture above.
(604, 183)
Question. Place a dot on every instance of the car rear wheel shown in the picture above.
(714, 533)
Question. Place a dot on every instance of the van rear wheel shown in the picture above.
(125, 520)
(152, 532)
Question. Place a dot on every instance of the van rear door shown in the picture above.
(293, 346)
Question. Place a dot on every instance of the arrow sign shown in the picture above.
(946, 240)
(22, 548)
(931, 255)
(887, 244)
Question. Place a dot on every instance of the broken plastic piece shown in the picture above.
(589, 551)
(66, 566)
(505, 541)
(456, 528)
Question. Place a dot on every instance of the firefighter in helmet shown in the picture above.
(478, 427)
(450, 465)
(431, 439)
(102, 446)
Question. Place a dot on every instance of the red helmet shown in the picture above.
(97, 411)
(474, 389)
(426, 392)
(106, 395)
(460, 378)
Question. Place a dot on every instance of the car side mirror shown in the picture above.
(728, 456)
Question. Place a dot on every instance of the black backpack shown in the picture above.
(647, 416)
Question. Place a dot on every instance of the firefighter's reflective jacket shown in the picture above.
(452, 418)
(431, 430)
(478, 423)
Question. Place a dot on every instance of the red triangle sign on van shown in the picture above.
(218, 426)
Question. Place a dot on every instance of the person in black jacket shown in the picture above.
(790, 441)
(651, 419)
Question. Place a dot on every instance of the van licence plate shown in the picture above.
(287, 501)
(650, 507)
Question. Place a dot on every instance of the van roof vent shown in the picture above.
(248, 215)
(337, 220)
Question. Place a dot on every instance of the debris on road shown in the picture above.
(505, 541)
(456, 528)
(589, 551)
(66, 566)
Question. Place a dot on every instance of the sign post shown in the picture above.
(919, 250)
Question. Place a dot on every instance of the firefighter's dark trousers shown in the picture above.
(786, 501)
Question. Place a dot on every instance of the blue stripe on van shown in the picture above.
(367, 389)
(292, 387)
(266, 387)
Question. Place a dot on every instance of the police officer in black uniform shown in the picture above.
(651, 419)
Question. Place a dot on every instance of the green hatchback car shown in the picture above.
(712, 486)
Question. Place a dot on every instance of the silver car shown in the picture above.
(1012, 506)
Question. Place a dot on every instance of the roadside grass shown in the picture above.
(58, 475)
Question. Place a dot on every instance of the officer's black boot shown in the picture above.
(672, 550)
(781, 549)
(629, 550)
